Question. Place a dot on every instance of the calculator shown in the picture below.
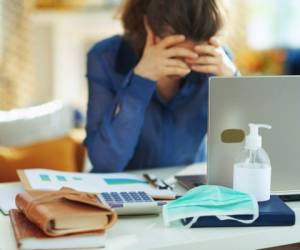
(131, 203)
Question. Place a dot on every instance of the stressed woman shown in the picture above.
(148, 89)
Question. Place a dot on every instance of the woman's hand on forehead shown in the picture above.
(212, 59)
(163, 58)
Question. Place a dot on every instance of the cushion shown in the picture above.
(57, 154)
(25, 126)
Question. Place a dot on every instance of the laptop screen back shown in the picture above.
(236, 102)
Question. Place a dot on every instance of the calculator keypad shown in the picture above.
(125, 197)
(131, 202)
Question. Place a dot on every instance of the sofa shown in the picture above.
(40, 137)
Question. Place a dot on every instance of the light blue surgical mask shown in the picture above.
(209, 200)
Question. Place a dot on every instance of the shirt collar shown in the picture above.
(190, 84)
(126, 58)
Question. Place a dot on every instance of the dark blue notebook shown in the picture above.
(271, 213)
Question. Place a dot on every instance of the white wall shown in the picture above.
(61, 43)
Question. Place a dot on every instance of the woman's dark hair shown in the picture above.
(198, 20)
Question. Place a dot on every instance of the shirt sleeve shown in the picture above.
(114, 119)
(229, 53)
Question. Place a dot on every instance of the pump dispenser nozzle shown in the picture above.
(254, 140)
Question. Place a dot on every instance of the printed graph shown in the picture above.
(60, 178)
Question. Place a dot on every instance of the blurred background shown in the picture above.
(43, 44)
(43, 90)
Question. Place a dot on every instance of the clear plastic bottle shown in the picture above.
(252, 172)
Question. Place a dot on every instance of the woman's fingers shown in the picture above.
(207, 50)
(215, 42)
(176, 63)
(204, 60)
(171, 41)
(181, 52)
(209, 69)
(176, 71)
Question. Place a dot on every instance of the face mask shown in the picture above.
(210, 200)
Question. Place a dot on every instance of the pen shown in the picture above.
(167, 185)
(150, 180)
(161, 184)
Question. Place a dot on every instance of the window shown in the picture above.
(274, 24)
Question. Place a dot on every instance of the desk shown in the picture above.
(148, 232)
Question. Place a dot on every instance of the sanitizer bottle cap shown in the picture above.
(254, 140)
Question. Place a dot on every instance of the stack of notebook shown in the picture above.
(65, 219)
(273, 212)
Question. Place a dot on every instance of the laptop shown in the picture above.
(236, 102)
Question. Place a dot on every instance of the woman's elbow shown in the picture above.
(103, 162)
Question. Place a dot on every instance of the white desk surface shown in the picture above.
(148, 232)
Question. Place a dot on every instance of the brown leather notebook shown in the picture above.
(65, 212)
(29, 236)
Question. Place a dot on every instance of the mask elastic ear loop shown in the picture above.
(255, 214)
(239, 220)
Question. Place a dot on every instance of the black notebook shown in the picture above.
(271, 213)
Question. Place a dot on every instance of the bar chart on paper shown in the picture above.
(44, 179)
(75, 180)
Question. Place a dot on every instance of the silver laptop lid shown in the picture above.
(236, 102)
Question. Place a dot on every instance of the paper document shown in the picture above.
(8, 193)
(44, 179)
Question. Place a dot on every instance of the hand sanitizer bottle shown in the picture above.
(252, 172)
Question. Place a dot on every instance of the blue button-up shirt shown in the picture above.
(129, 126)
